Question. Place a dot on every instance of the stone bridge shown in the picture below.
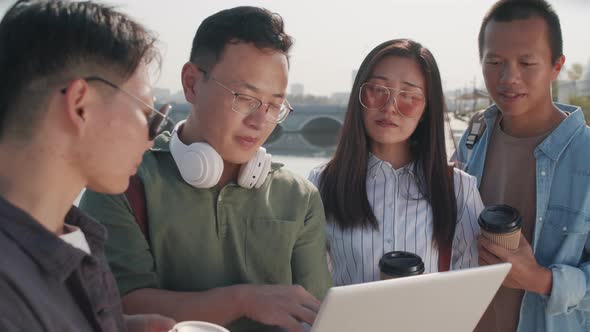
(306, 118)
(309, 118)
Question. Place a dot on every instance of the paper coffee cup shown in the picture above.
(399, 264)
(502, 225)
(196, 326)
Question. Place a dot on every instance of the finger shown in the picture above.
(523, 242)
(160, 323)
(313, 306)
(482, 262)
(292, 324)
(493, 248)
(488, 257)
(306, 297)
(303, 314)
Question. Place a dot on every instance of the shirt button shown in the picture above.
(564, 229)
(543, 173)
(540, 218)
(389, 241)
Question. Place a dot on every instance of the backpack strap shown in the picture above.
(444, 250)
(444, 258)
(475, 129)
(135, 194)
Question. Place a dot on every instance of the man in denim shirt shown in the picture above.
(533, 155)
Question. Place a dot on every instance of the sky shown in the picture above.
(333, 37)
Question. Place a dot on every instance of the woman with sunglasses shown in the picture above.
(389, 186)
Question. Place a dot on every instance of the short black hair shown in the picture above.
(246, 24)
(46, 43)
(511, 10)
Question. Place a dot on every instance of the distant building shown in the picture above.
(470, 101)
(567, 88)
(297, 89)
(161, 94)
(339, 98)
(165, 96)
(178, 97)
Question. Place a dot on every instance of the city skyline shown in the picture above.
(332, 38)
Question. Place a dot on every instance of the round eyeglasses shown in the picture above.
(246, 105)
(374, 97)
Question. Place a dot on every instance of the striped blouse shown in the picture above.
(405, 223)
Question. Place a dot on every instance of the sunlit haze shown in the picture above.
(332, 37)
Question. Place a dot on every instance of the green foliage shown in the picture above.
(575, 72)
(584, 103)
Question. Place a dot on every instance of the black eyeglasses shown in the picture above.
(157, 121)
(246, 105)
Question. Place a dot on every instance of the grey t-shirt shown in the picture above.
(509, 177)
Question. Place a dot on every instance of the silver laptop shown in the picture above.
(450, 301)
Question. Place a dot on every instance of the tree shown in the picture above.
(575, 72)
(584, 103)
(555, 90)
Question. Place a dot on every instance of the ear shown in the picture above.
(190, 75)
(557, 66)
(77, 99)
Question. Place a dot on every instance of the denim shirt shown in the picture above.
(562, 222)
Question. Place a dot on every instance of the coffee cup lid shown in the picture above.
(401, 263)
(500, 219)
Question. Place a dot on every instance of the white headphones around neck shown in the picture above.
(201, 166)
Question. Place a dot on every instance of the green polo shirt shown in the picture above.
(206, 238)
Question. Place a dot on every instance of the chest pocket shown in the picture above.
(269, 246)
(563, 236)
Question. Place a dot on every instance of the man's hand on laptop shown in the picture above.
(279, 305)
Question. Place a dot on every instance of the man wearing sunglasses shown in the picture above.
(74, 112)
(229, 234)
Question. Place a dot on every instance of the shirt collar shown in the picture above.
(556, 142)
(50, 252)
(561, 136)
(374, 165)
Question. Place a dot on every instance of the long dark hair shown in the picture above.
(343, 181)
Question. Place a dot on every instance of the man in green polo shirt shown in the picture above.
(232, 238)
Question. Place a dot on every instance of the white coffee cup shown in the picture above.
(196, 326)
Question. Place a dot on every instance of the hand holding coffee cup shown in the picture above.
(501, 224)
(398, 264)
